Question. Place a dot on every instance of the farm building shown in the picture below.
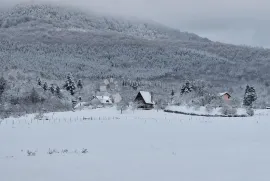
(144, 100)
(225, 96)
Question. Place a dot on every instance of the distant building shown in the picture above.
(225, 96)
(144, 100)
(101, 100)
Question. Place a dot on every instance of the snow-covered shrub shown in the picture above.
(228, 110)
(84, 150)
(133, 106)
(235, 102)
(31, 153)
(160, 104)
(52, 151)
(39, 116)
(216, 102)
(209, 108)
(250, 111)
(196, 107)
(122, 106)
(65, 151)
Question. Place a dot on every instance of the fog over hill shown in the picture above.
(56, 40)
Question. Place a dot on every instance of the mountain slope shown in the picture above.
(56, 40)
(58, 18)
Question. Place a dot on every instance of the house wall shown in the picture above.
(226, 97)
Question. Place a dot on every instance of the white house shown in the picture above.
(101, 100)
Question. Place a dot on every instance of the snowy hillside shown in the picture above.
(104, 145)
(55, 18)
(56, 40)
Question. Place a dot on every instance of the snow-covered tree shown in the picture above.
(45, 86)
(39, 82)
(3, 84)
(228, 110)
(52, 89)
(70, 84)
(172, 96)
(123, 105)
(216, 102)
(250, 96)
(172, 93)
(34, 96)
(187, 88)
(250, 111)
(80, 84)
(58, 91)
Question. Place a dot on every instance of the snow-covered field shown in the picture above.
(139, 146)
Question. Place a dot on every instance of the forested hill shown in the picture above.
(52, 41)
(55, 18)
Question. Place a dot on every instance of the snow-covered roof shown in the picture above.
(80, 104)
(147, 97)
(104, 99)
(223, 93)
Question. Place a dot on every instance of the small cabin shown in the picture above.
(225, 96)
(144, 100)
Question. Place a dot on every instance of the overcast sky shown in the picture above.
(229, 21)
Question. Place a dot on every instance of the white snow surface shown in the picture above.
(147, 97)
(135, 146)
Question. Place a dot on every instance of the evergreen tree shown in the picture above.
(45, 86)
(250, 96)
(134, 85)
(187, 88)
(58, 91)
(3, 84)
(79, 84)
(34, 97)
(172, 96)
(247, 89)
(52, 89)
(70, 85)
(172, 93)
(39, 82)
